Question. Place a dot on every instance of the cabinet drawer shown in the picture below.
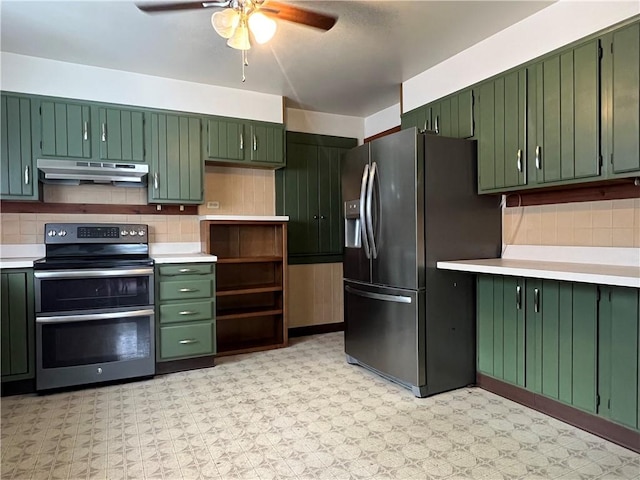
(187, 340)
(201, 288)
(187, 269)
(187, 312)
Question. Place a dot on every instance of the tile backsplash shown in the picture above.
(608, 223)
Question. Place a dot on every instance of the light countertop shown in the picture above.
(184, 258)
(247, 218)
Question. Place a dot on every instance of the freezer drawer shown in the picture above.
(385, 331)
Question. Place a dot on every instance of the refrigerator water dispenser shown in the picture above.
(352, 229)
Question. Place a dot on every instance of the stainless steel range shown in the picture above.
(94, 293)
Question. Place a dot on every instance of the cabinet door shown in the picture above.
(17, 175)
(176, 168)
(515, 91)
(625, 110)
(225, 139)
(465, 120)
(329, 203)
(409, 119)
(486, 138)
(17, 322)
(564, 116)
(618, 362)
(121, 135)
(267, 143)
(65, 130)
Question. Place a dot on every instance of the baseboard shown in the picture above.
(591, 423)
(18, 387)
(185, 364)
(316, 329)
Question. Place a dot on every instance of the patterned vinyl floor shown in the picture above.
(295, 413)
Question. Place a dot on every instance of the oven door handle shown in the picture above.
(93, 273)
(95, 316)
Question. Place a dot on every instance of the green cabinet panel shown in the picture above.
(450, 117)
(187, 311)
(192, 268)
(625, 107)
(308, 191)
(176, 169)
(187, 341)
(618, 356)
(65, 129)
(17, 321)
(121, 134)
(564, 116)
(584, 346)
(257, 144)
(186, 289)
(18, 177)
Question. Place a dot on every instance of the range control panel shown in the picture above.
(68, 233)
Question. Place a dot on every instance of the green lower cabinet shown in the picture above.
(185, 307)
(618, 362)
(17, 320)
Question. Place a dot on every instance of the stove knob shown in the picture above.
(52, 233)
(124, 233)
(133, 232)
(141, 232)
(62, 233)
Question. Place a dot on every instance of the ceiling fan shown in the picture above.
(239, 18)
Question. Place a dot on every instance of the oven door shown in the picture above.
(78, 290)
(94, 347)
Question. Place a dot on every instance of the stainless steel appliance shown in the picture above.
(94, 294)
(410, 201)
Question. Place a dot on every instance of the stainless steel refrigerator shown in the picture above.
(410, 201)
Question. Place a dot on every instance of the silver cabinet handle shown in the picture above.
(85, 131)
(186, 270)
(315, 217)
(321, 217)
(187, 290)
(538, 157)
(536, 300)
(187, 312)
(363, 190)
(104, 132)
(437, 127)
(518, 297)
(26, 175)
(379, 296)
(519, 163)
(255, 142)
(241, 141)
(424, 129)
(372, 240)
(188, 341)
(156, 181)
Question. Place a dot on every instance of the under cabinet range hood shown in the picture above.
(72, 172)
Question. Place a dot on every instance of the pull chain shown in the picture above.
(245, 63)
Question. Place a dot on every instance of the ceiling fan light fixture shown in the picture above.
(240, 38)
(225, 22)
(262, 27)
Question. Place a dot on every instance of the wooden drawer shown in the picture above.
(186, 269)
(185, 289)
(187, 312)
(187, 340)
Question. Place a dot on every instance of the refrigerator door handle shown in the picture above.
(363, 190)
(372, 240)
(378, 296)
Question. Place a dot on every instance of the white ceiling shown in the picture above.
(355, 69)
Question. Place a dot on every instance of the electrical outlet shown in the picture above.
(213, 205)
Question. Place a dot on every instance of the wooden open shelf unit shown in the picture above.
(251, 276)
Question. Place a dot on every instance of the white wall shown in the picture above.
(381, 121)
(557, 25)
(26, 74)
(324, 123)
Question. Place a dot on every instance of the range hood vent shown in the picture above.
(73, 172)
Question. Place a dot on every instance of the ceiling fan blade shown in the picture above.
(283, 11)
(176, 6)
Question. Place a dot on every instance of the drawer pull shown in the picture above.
(186, 270)
(187, 290)
(187, 312)
(188, 341)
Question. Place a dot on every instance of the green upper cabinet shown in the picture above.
(121, 134)
(449, 117)
(619, 363)
(502, 133)
(622, 94)
(18, 177)
(254, 144)
(175, 161)
(564, 116)
(308, 191)
(65, 129)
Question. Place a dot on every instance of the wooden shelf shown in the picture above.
(250, 260)
(234, 348)
(248, 290)
(247, 313)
